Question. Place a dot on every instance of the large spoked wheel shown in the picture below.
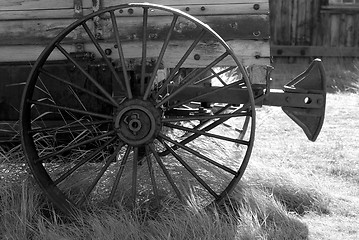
(135, 138)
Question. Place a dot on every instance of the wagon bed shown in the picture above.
(118, 99)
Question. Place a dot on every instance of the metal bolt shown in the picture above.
(108, 51)
(197, 57)
(120, 11)
(257, 33)
(256, 6)
(187, 9)
(130, 11)
(203, 8)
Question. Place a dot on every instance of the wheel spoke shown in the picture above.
(224, 117)
(50, 155)
(160, 57)
(165, 171)
(134, 176)
(152, 176)
(180, 63)
(217, 75)
(246, 143)
(220, 111)
(83, 161)
(144, 49)
(216, 90)
(121, 55)
(103, 54)
(73, 61)
(119, 174)
(109, 160)
(70, 109)
(190, 170)
(180, 89)
(75, 86)
(197, 154)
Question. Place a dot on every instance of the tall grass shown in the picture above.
(265, 205)
(343, 76)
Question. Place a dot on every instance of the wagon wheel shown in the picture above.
(134, 140)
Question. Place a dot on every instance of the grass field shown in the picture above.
(292, 189)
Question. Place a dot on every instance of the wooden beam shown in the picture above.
(228, 27)
(313, 51)
(350, 8)
(40, 14)
(16, 5)
(248, 52)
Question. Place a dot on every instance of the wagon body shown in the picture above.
(107, 86)
(27, 26)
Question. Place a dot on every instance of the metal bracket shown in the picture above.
(78, 9)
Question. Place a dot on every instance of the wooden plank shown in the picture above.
(36, 31)
(16, 5)
(313, 51)
(43, 31)
(40, 14)
(325, 26)
(301, 22)
(356, 32)
(334, 30)
(349, 28)
(317, 33)
(347, 9)
(249, 52)
(294, 20)
(196, 10)
(285, 22)
(275, 20)
(205, 9)
(107, 3)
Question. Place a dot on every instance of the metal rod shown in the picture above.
(165, 171)
(83, 161)
(197, 154)
(191, 171)
(242, 142)
(180, 63)
(144, 49)
(75, 86)
(119, 174)
(172, 95)
(160, 57)
(104, 92)
(103, 54)
(99, 175)
(199, 117)
(121, 55)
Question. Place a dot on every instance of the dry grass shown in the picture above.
(292, 189)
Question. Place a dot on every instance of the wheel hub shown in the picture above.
(137, 122)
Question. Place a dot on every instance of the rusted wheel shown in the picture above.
(107, 133)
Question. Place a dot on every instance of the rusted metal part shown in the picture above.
(78, 9)
(303, 99)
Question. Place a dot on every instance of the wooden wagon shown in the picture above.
(139, 103)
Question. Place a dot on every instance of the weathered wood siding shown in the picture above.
(26, 26)
(314, 28)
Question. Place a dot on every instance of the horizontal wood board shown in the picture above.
(27, 23)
